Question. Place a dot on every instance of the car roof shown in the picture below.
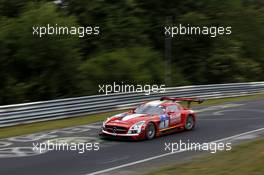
(160, 103)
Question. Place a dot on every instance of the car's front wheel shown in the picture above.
(190, 123)
(150, 131)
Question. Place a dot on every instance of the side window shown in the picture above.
(173, 108)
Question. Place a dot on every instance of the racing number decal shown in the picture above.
(164, 121)
(175, 118)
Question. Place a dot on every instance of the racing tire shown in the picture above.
(150, 131)
(190, 123)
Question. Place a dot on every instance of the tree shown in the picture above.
(37, 68)
(121, 23)
(136, 65)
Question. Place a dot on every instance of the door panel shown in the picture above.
(174, 113)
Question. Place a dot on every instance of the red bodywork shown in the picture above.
(172, 118)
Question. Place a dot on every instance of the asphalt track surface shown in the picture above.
(17, 156)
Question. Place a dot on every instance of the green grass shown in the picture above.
(244, 159)
(63, 123)
(231, 99)
(49, 125)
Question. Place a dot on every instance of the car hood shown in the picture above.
(127, 120)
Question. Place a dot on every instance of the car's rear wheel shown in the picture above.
(190, 123)
(150, 131)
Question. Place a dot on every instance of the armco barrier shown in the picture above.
(73, 107)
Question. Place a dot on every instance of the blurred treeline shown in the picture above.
(130, 47)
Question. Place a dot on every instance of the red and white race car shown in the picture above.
(151, 119)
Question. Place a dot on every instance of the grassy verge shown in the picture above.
(49, 125)
(62, 123)
(231, 99)
(244, 159)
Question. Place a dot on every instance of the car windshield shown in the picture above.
(149, 109)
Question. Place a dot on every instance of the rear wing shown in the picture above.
(188, 100)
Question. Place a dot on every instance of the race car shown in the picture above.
(151, 119)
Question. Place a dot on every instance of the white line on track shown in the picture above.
(167, 154)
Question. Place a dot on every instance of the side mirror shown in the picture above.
(132, 110)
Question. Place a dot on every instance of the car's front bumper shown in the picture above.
(138, 136)
(116, 134)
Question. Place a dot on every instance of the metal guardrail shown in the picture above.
(73, 107)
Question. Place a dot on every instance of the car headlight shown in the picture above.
(136, 128)
(105, 122)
